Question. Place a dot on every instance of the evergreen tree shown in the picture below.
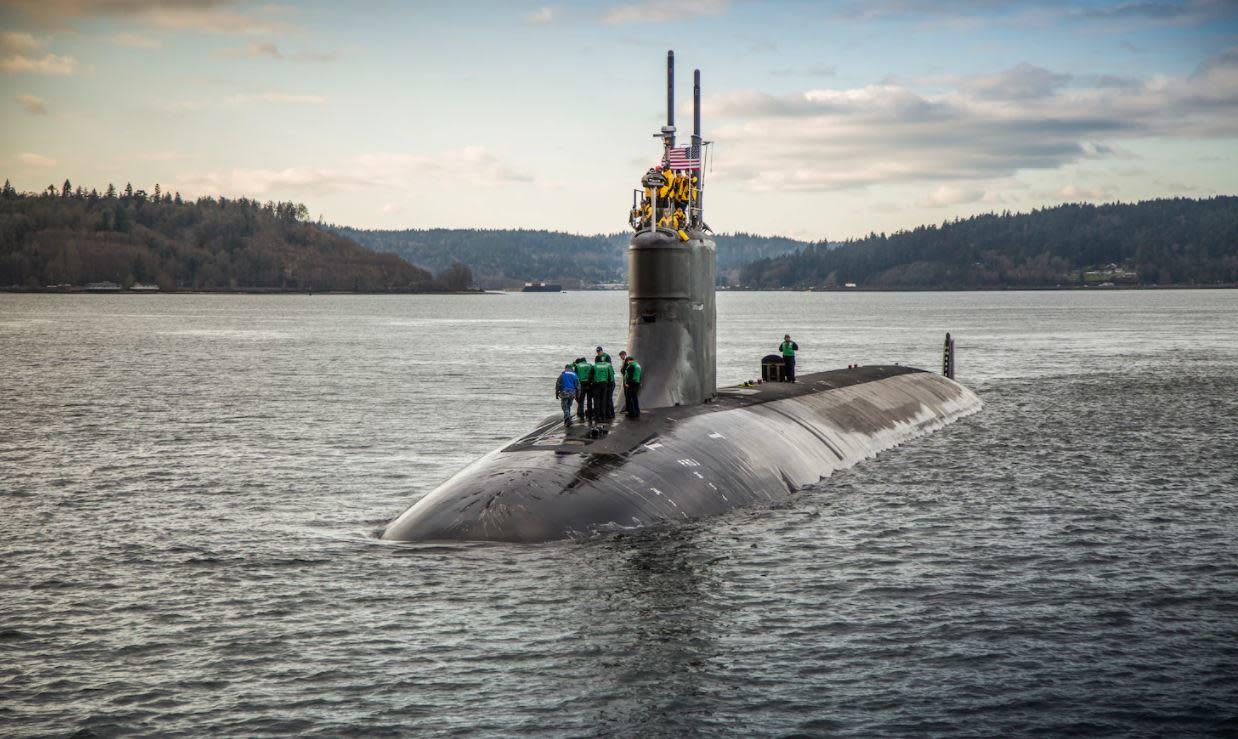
(111, 191)
(66, 190)
(128, 190)
(158, 193)
(177, 199)
(8, 191)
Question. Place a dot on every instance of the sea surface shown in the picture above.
(190, 488)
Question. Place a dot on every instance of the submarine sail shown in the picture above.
(696, 450)
(672, 268)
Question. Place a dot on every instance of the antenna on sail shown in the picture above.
(668, 131)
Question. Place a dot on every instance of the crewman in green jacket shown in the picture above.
(584, 400)
(788, 349)
(631, 387)
(603, 390)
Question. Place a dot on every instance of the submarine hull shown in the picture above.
(751, 446)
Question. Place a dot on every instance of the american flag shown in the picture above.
(684, 157)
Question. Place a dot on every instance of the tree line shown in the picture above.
(1178, 241)
(71, 236)
(502, 258)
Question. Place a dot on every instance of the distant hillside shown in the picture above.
(505, 258)
(1156, 242)
(73, 237)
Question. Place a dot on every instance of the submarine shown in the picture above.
(696, 450)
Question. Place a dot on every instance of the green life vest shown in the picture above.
(584, 371)
(603, 372)
(634, 371)
(786, 348)
(601, 357)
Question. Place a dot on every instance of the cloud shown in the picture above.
(541, 16)
(976, 129)
(1159, 12)
(269, 50)
(945, 195)
(254, 98)
(252, 50)
(22, 53)
(1020, 82)
(18, 42)
(967, 13)
(660, 11)
(33, 105)
(471, 166)
(36, 160)
(201, 16)
(135, 40)
(898, 9)
(281, 98)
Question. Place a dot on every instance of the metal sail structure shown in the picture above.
(672, 267)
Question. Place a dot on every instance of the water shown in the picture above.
(190, 486)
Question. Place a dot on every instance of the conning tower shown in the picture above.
(672, 266)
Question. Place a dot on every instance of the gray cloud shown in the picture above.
(23, 53)
(32, 104)
(252, 50)
(835, 139)
(1020, 82)
(472, 166)
(203, 16)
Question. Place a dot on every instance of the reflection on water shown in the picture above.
(189, 485)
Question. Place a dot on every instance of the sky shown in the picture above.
(830, 120)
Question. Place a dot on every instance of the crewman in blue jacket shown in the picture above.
(566, 388)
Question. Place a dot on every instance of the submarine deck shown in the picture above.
(625, 434)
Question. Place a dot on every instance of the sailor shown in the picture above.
(603, 388)
(631, 387)
(566, 388)
(788, 349)
(623, 364)
(584, 396)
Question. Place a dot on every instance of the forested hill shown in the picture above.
(506, 258)
(68, 237)
(1155, 242)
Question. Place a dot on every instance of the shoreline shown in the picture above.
(277, 291)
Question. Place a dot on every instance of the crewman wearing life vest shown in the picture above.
(788, 349)
(631, 387)
(603, 388)
(584, 399)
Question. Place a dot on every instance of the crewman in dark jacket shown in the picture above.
(788, 349)
(607, 411)
(631, 387)
(584, 398)
(603, 390)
